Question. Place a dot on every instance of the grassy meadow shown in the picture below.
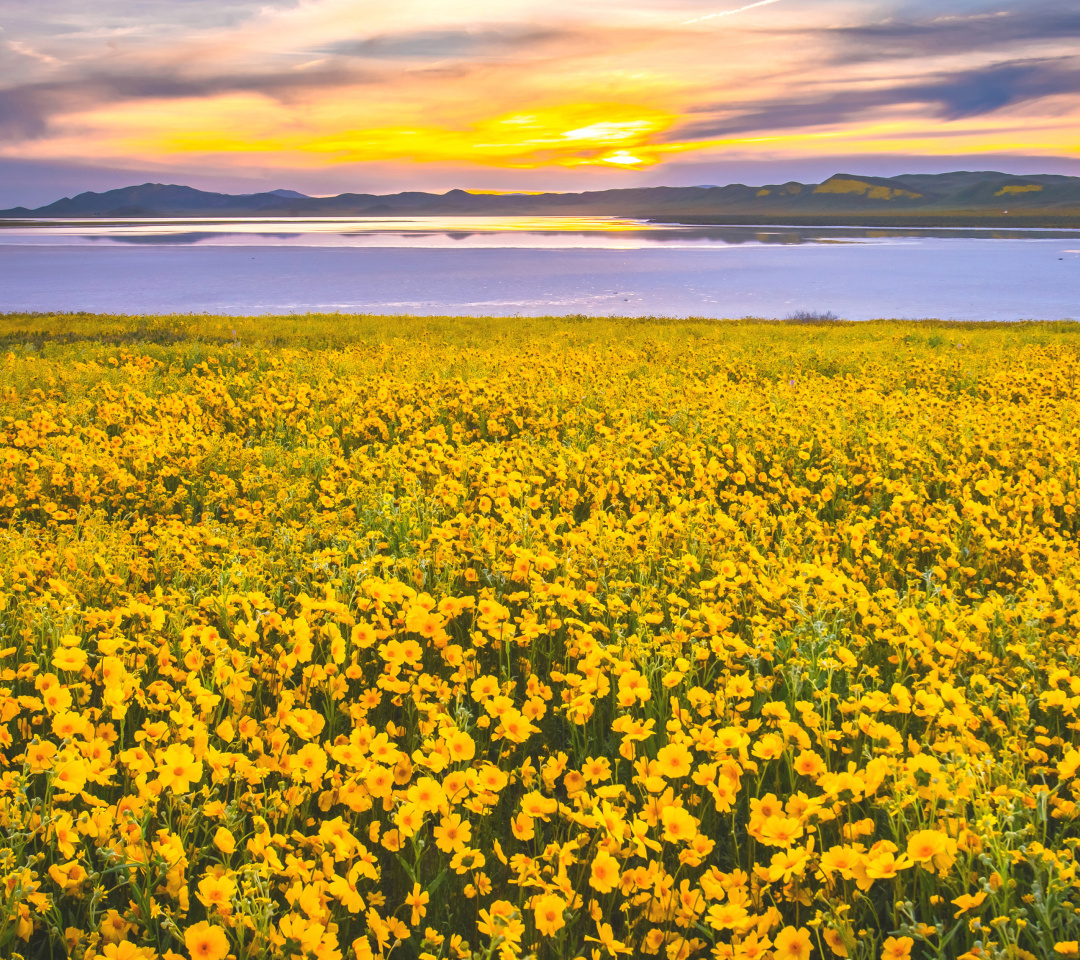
(447, 638)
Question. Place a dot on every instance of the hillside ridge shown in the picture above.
(958, 197)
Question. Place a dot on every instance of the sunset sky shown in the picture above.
(324, 96)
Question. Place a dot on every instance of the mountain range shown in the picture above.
(983, 198)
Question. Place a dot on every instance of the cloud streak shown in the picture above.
(728, 13)
(27, 51)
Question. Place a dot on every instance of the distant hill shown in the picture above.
(947, 199)
(158, 200)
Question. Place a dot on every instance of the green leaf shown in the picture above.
(436, 883)
(406, 868)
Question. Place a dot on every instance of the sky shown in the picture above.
(326, 96)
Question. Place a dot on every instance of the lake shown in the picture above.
(536, 266)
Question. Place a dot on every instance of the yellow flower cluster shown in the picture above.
(613, 640)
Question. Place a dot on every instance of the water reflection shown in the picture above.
(796, 235)
(178, 238)
(479, 232)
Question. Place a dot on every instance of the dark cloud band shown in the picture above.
(955, 96)
(446, 44)
(1031, 22)
(26, 111)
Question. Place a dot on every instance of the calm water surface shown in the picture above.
(536, 266)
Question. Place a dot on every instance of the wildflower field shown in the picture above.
(365, 637)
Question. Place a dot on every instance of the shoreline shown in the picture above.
(906, 221)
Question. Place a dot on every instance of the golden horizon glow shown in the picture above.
(578, 135)
(569, 135)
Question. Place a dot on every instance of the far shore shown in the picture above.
(901, 221)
